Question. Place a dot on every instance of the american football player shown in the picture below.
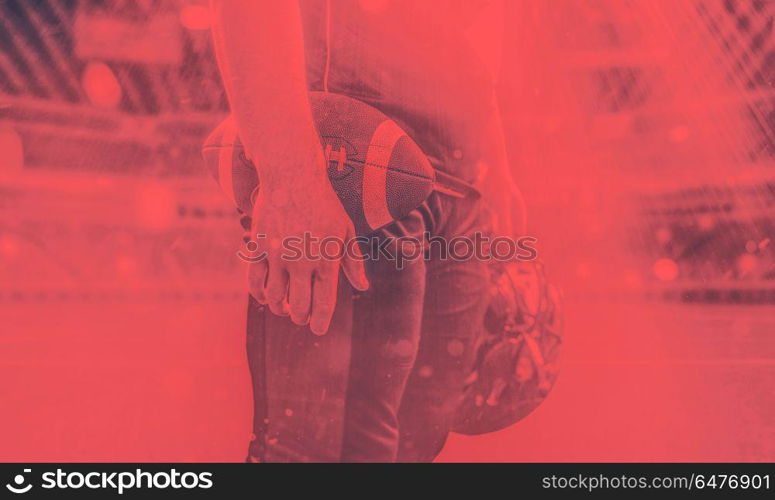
(353, 359)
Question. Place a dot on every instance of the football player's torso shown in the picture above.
(422, 62)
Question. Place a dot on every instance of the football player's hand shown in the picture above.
(296, 201)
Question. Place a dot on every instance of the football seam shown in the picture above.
(405, 172)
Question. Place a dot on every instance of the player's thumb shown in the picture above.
(352, 263)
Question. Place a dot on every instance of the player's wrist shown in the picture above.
(294, 171)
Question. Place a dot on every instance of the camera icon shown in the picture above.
(18, 481)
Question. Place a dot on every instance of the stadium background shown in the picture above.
(641, 132)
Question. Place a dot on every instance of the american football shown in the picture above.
(379, 173)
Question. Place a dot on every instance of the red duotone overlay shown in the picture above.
(641, 135)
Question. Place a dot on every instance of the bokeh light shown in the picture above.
(101, 86)
(195, 17)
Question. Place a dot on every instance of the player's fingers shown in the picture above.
(277, 288)
(325, 280)
(352, 263)
(257, 272)
(300, 295)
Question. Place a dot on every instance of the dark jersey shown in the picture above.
(412, 60)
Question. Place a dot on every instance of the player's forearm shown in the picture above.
(260, 50)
